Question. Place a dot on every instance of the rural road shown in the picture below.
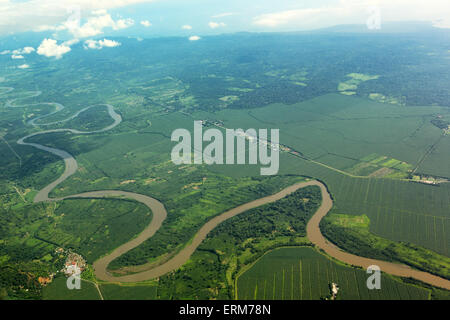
(159, 214)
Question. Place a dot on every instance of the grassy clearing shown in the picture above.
(348, 87)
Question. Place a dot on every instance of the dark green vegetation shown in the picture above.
(363, 113)
(303, 273)
(238, 242)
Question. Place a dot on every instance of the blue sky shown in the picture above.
(237, 15)
(63, 23)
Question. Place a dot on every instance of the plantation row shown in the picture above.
(302, 273)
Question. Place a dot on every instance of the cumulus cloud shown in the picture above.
(23, 66)
(186, 27)
(99, 44)
(18, 53)
(194, 38)
(146, 23)
(95, 25)
(214, 25)
(41, 15)
(50, 48)
(26, 50)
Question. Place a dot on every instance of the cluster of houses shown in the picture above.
(75, 264)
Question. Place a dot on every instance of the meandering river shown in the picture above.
(159, 212)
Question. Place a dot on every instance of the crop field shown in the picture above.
(326, 125)
(398, 210)
(57, 290)
(304, 274)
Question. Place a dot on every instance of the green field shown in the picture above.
(128, 292)
(304, 274)
(398, 210)
(58, 290)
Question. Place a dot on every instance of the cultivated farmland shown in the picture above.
(303, 273)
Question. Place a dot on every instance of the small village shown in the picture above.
(74, 264)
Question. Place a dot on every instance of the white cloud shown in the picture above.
(123, 24)
(303, 16)
(214, 25)
(186, 27)
(71, 42)
(27, 50)
(23, 66)
(50, 48)
(225, 14)
(99, 12)
(357, 12)
(18, 53)
(46, 27)
(19, 16)
(95, 25)
(442, 23)
(99, 44)
(194, 38)
(146, 23)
